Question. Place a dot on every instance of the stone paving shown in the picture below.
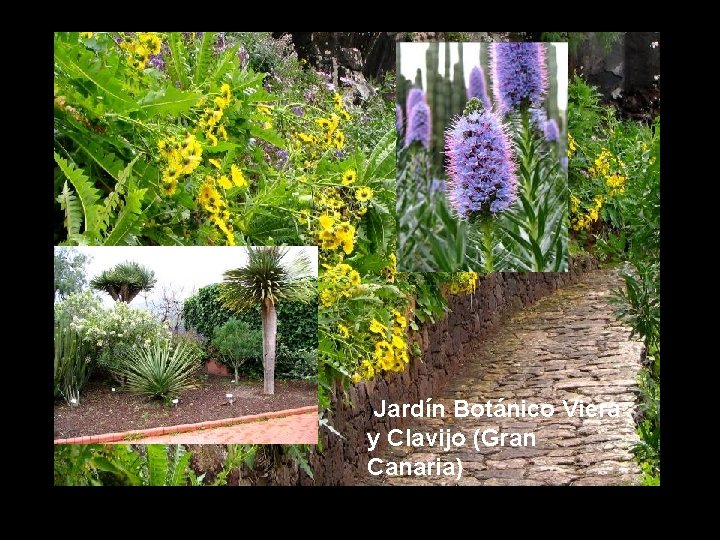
(566, 346)
(294, 429)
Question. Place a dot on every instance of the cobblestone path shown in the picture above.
(566, 346)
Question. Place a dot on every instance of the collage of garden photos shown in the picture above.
(356, 258)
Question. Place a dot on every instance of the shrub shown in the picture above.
(238, 344)
(297, 323)
(159, 370)
(112, 333)
(297, 364)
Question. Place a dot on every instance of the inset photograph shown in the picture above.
(191, 345)
(482, 157)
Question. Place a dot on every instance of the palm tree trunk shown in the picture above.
(269, 329)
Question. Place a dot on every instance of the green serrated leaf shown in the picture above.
(127, 218)
(168, 100)
(87, 193)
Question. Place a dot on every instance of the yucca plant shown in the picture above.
(71, 364)
(160, 370)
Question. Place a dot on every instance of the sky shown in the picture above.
(184, 268)
(413, 57)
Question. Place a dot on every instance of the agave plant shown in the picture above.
(161, 369)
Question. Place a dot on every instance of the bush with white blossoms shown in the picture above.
(110, 332)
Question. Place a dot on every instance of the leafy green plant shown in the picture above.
(237, 344)
(72, 365)
(123, 465)
(159, 370)
(297, 363)
(124, 281)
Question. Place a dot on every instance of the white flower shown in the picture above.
(229, 396)
(654, 44)
(175, 401)
(657, 77)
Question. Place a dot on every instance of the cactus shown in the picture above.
(71, 370)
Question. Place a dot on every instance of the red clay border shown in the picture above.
(129, 436)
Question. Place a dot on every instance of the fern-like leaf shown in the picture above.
(157, 464)
(73, 211)
(77, 62)
(381, 163)
(128, 217)
(87, 193)
(202, 61)
(225, 64)
(179, 471)
(177, 63)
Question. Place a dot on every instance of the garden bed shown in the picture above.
(104, 411)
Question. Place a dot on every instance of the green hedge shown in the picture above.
(297, 323)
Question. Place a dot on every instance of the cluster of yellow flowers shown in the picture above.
(182, 157)
(334, 233)
(580, 220)
(463, 282)
(213, 201)
(572, 145)
(391, 346)
(211, 121)
(605, 167)
(140, 49)
(338, 281)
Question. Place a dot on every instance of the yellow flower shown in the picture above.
(222, 132)
(150, 40)
(326, 298)
(212, 139)
(86, 35)
(264, 109)
(338, 139)
(225, 91)
(237, 176)
(267, 125)
(225, 182)
(349, 177)
(344, 330)
(221, 102)
(364, 194)
(398, 342)
(326, 222)
(400, 319)
(215, 162)
(354, 277)
(377, 327)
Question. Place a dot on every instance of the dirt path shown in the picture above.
(566, 346)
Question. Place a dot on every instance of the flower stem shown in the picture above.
(486, 231)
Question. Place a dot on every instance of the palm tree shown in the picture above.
(124, 281)
(267, 278)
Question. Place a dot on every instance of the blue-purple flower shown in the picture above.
(418, 125)
(414, 96)
(481, 166)
(399, 120)
(519, 74)
(552, 132)
(476, 87)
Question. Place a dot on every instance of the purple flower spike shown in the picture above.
(481, 166)
(418, 125)
(552, 132)
(519, 74)
(476, 87)
(415, 96)
(399, 120)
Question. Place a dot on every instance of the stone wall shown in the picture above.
(444, 346)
